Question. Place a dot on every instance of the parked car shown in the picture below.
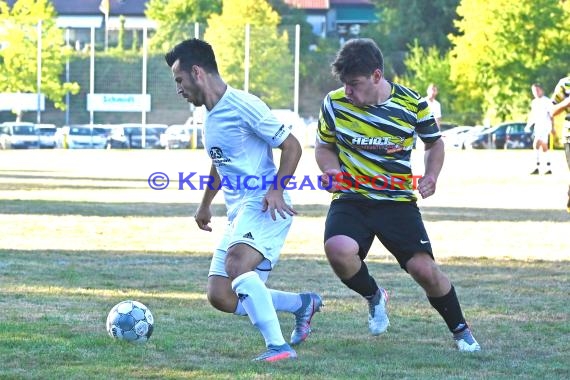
(101, 132)
(187, 135)
(176, 136)
(473, 135)
(18, 135)
(455, 137)
(130, 135)
(159, 129)
(492, 138)
(82, 136)
(46, 133)
(517, 137)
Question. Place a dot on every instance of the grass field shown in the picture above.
(82, 230)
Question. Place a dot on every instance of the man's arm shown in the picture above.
(290, 154)
(203, 215)
(433, 160)
(327, 160)
(326, 157)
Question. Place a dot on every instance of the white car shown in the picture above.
(455, 137)
(176, 136)
(46, 133)
(21, 135)
(82, 136)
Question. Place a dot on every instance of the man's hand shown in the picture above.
(426, 186)
(328, 180)
(274, 202)
(203, 218)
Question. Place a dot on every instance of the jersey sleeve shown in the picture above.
(326, 128)
(426, 126)
(265, 125)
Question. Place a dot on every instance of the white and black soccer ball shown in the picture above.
(130, 321)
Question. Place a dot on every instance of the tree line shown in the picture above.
(483, 55)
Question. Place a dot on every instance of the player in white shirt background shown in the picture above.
(434, 104)
(239, 133)
(540, 121)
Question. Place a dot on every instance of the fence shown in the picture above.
(142, 75)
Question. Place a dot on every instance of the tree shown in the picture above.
(504, 47)
(176, 19)
(290, 17)
(428, 65)
(271, 63)
(19, 39)
(402, 22)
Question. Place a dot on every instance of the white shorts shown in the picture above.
(542, 137)
(255, 228)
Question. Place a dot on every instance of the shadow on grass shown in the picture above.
(149, 209)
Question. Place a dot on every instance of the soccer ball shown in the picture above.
(130, 321)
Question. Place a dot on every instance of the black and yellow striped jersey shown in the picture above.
(561, 92)
(374, 143)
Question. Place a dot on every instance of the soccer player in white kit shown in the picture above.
(239, 133)
(433, 103)
(541, 117)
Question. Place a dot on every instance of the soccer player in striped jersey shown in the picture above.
(364, 143)
(240, 132)
(561, 101)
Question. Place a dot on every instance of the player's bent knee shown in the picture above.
(220, 294)
(423, 269)
(225, 304)
(340, 246)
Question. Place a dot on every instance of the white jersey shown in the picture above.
(434, 107)
(240, 133)
(541, 116)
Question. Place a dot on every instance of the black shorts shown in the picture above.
(398, 226)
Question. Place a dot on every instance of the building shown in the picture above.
(83, 15)
(342, 18)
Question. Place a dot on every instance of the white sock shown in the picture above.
(546, 159)
(256, 301)
(282, 301)
(286, 301)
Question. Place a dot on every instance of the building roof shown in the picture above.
(308, 4)
(351, 2)
(91, 7)
(355, 15)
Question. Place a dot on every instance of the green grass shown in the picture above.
(82, 231)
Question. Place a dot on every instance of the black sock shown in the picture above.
(448, 307)
(362, 283)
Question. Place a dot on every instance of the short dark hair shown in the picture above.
(193, 52)
(358, 56)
